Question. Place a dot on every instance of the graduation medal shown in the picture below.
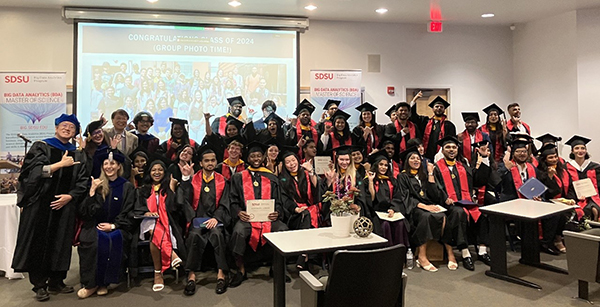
(206, 189)
(255, 183)
(422, 193)
(453, 176)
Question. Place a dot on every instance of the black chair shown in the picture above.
(359, 278)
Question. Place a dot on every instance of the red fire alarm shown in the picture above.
(391, 90)
(434, 27)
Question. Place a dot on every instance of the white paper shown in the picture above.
(559, 202)
(584, 188)
(322, 164)
(384, 216)
(259, 209)
(442, 209)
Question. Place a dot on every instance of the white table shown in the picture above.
(317, 240)
(9, 224)
(528, 212)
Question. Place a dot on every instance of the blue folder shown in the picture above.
(465, 203)
(198, 222)
(532, 188)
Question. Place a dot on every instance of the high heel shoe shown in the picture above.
(158, 286)
(429, 268)
(452, 265)
(560, 246)
(176, 262)
(85, 293)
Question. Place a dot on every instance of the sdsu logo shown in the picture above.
(16, 79)
(322, 76)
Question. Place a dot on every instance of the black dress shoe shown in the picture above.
(549, 250)
(221, 286)
(190, 288)
(42, 295)
(60, 289)
(468, 263)
(485, 258)
(237, 279)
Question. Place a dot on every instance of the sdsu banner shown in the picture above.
(29, 103)
(343, 85)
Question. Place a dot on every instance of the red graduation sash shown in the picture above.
(473, 211)
(389, 183)
(591, 173)
(510, 126)
(258, 228)
(563, 183)
(412, 133)
(518, 182)
(313, 209)
(374, 140)
(226, 171)
(299, 134)
(198, 183)
(428, 129)
(498, 152)
(335, 143)
(395, 168)
(466, 143)
(161, 236)
(171, 154)
(222, 125)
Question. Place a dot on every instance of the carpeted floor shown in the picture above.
(443, 288)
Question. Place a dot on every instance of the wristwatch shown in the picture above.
(112, 227)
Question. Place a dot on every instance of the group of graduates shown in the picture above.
(119, 187)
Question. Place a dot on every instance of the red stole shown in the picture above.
(258, 228)
(591, 173)
(198, 183)
(389, 183)
(313, 209)
(498, 152)
(473, 211)
(226, 171)
(466, 143)
(313, 132)
(510, 126)
(429, 127)
(171, 153)
(161, 236)
(395, 169)
(517, 176)
(222, 125)
(411, 134)
(335, 143)
(375, 142)
(563, 183)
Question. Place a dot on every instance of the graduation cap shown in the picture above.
(236, 100)
(414, 142)
(255, 146)
(439, 100)
(405, 154)
(402, 104)
(448, 139)
(521, 136)
(392, 109)
(111, 155)
(236, 122)
(68, 118)
(519, 143)
(548, 138)
(493, 107)
(577, 140)
(378, 156)
(92, 126)
(386, 140)
(480, 143)
(330, 102)
(205, 148)
(548, 149)
(467, 116)
(366, 107)
(276, 118)
(339, 113)
(304, 105)
(340, 150)
(286, 151)
(180, 121)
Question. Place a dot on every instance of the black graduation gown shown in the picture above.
(590, 201)
(434, 136)
(355, 140)
(198, 238)
(425, 225)
(391, 132)
(292, 138)
(360, 200)
(379, 129)
(45, 236)
(116, 209)
(382, 203)
(242, 230)
(147, 142)
(291, 199)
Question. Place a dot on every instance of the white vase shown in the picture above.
(353, 219)
(340, 225)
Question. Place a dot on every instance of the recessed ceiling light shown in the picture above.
(152, 1)
(488, 15)
(381, 10)
(310, 7)
(235, 3)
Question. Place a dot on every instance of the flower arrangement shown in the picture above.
(344, 205)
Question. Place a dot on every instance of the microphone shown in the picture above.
(24, 138)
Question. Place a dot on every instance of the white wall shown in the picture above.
(545, 74)
(476, 62)
(35, 40)
(588, 76)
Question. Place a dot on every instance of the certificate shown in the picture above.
(322, 164)
(584, 188)
(259, 209)
(385, 216)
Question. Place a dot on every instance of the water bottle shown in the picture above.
(409, 259)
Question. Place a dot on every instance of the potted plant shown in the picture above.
(343, 211)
